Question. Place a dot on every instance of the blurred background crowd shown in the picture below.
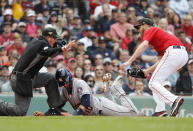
(105, 38)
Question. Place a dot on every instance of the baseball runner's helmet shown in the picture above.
(63, 76)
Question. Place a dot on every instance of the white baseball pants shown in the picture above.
(172, 60)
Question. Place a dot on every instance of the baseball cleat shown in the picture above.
(176, 106)
(160, 114)
(116, 88)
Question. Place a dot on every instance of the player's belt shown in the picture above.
(177, 47)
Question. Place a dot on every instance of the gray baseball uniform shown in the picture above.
(100, 105)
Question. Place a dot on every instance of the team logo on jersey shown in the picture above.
(79, 89)
(45, 48)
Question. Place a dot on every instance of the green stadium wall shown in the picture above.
(144, 104)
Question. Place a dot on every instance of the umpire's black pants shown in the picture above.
(22, 103)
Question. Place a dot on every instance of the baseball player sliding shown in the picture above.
(79, 95)
(172, 56)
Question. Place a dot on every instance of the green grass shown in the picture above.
(95, 123)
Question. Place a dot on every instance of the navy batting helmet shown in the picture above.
(63, 76)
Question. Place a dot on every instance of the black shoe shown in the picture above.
(160, 114)
(176, 106)
(53, 112)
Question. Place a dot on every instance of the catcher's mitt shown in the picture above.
(135, 72)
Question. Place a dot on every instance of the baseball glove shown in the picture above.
(135, 72)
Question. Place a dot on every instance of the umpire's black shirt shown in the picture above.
(34, 56)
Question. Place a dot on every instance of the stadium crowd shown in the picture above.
(105, 38)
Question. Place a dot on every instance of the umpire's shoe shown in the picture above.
(176, 105)
(160, 114)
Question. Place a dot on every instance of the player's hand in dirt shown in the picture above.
(38, 113)
(66, 114)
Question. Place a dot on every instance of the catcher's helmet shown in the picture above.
(63, 76)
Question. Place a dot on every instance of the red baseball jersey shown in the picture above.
(160, 39)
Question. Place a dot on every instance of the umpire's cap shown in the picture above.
(50, 32)
(144, 21)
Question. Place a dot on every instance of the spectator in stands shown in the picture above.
(134, 42)
(60, 62)
(169, 16)
(88, 67)
(80, 60)
(132, 19)
(136, 5)
(113, 20)
(179, 6)
(66, 34)
(150, 13)
(8, 17)
(124, 56)
(79, 73)
(99, 72)
(125, 41)
(98, 10)
(22, 31)
(107, 65)
(163, 24)
(162, 8)
(61, 25)
(184, 82)
(72, 64)
(17, 45)
(3, 55)
(104, 18)
(90, 81)
(31, 27)
(4, 75)
(149, 57)
(3, 5)
(118, 29)
(114, 73)
(122, 6)
(77, 27)
(187, 27)
(87, 39)
(45, 14)
(191, 13)
(156, 18)
(177, 29)
(98, 60)
(102, 49)
(143, 7)
(131, 11)
(182, 36)
(80, 48)
(39, 7)
(129, 86)
(6, 38)
(86, 23)
(139, 89)
(94, 45)
(93, 4)
(70, 17)
(176, 19)
(12, 60)
(53, 20)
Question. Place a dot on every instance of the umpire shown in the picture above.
(26, 76)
